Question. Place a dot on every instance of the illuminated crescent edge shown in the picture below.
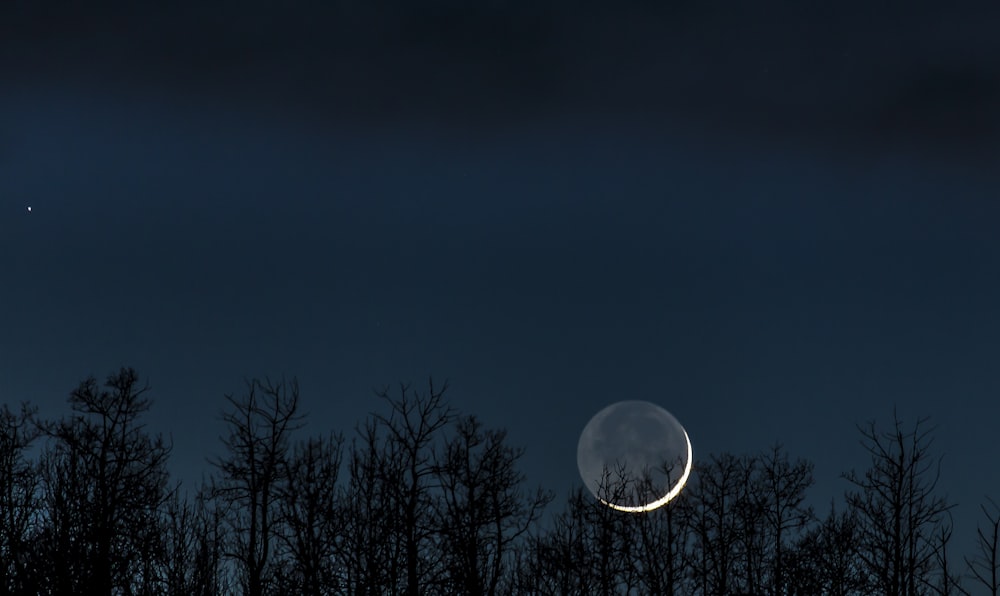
(665, 498)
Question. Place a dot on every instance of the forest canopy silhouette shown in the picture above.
(422, 499)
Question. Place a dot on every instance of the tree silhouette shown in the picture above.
(411, 429)
(434, 503)
(780, 491)
(984, 567)
(18, 505)
(948, 583)
(897, 507)
(580, 553)
(662, 536)
(104, 480)
(194, 542)
(752, 542)
(483, 512)
(310, 517)
(588, 547)
(370, 557)
(252, 472)
(712, 559)
(825, 559)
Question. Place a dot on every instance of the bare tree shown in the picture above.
(557, 561)
(483, 512)
(750, 531)
(104, 481)
(390, 539)
(194, 543)
(369, 557)
(780, 491)
(897, 507)
(412, 427)
(948, 583)
(18, 502)
(713, 555)
(252, 474)
(662, 536)
(611, 540)
(65, 533)
(985, 566)
(310, 516)
(825, 559)
(584, 551)
(593, 548)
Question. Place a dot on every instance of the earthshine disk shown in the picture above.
(634, 456)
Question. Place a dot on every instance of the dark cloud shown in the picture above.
(913, 74)
(956, 108)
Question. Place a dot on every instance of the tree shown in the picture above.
(897, 507)
(411, 428)
(948, 583)
(310, 517)
(780, 490)
(741, 516)
(18, 503)
(713, 555)
(193, 541)
(750, 529)
(985, 566)
(662, 536)
(589, 547)
(252, 474)
(390, 539)
(585, 551)
(558, 560)
(369, 557)
(104, 481)
(483, 511)
(825, 559)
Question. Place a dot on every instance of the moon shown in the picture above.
(634, 456)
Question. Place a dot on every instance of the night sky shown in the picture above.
(775, 219)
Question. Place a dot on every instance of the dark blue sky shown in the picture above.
(774, 222)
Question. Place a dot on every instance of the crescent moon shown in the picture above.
(670, 494)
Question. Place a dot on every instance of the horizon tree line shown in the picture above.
(422, 499)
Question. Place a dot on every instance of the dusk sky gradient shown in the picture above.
(775, 219)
